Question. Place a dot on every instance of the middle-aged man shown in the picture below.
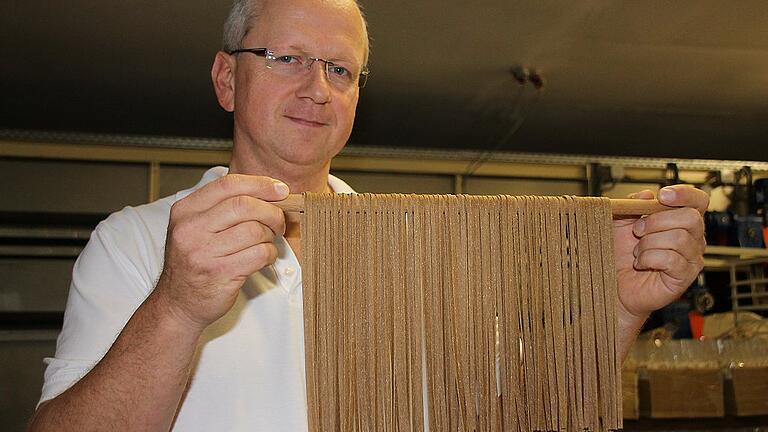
(187, 312)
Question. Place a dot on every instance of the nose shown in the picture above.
(316, 86)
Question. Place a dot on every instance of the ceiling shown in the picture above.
(684, 79)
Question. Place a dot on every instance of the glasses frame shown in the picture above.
(362, 79)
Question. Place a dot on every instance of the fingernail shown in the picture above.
(634, 251)
(666, 194)
(639, 228)
(281, 188)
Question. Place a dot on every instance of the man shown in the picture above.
(187, 312)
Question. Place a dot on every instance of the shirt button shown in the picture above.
(289, 271)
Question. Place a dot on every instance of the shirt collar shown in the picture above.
(337, 185)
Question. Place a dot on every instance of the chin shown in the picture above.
(308, 155)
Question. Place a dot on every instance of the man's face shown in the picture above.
(298, 121)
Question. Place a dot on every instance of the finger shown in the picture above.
(264, 188)
(643, 194)
(240, 237)
(678, 240)
(250, 260)
(686, 218)
(684, 196)
(239, 209)
(671, 263)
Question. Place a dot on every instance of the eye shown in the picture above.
(287, 59)
(337, 70)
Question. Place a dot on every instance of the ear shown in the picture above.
(223, 77)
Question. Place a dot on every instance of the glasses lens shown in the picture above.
(340, 76)
(286, 64)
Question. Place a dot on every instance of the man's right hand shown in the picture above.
(217, 237)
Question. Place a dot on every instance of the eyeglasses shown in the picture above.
(286, 64)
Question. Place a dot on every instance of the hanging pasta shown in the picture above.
(493, 313)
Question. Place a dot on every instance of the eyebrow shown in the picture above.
(332, 59)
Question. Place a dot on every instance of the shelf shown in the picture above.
(724, 257)
(736, 251)
(39, 251)
(45, 233)
(33, 335)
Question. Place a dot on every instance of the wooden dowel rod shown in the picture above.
(294, 203)
(619, 207)
(636, 207)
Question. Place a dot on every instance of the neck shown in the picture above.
(299, 178)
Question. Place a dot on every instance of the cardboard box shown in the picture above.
(685, 393)
(629, 394)
(747, 391)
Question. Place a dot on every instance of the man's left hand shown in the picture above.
(658, 256)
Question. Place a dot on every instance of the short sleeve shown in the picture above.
(107, 287)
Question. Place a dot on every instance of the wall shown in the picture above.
(54, 194)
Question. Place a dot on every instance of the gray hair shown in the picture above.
(238, 23)
(241, 18)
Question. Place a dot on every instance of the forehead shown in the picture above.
(331, 29)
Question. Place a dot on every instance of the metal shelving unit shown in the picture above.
(747, 270)
(748, 285)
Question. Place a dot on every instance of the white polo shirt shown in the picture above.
(249, 374)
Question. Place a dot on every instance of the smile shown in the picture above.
(305, 122)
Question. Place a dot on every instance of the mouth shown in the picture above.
(306, 122)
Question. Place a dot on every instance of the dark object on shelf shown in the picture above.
(720, 229)
(675, 316)
(727, 229)
(702, 301)
(749, 230)
(761, 198)
(743, 202)
(745, 224)
(761, 193)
